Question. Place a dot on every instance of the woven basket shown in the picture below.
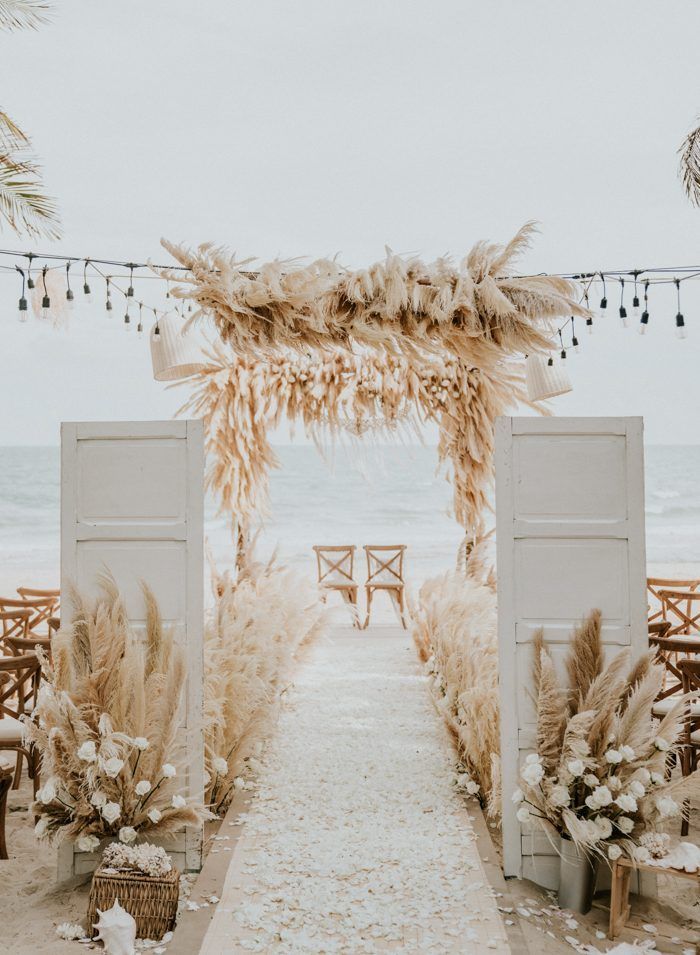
(151, 901)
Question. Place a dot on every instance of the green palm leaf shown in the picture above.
(23, 203)
(22, 14)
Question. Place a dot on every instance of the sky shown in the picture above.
(322, 127)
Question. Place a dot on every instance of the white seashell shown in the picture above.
(117, 930)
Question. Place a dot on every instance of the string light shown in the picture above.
(635, 299)
(644, 320)
(46, 301)
(589, 320)
(30, 280)
(604, 299)
(22, 311)
(139, 327)
(70, 298)
(86, 286)
(574, 340)
(108, 302)
(680, 321)
(127, 317)
(550, 361)
(130, 290)
(623, 310)
(563, 350)
(156, 330)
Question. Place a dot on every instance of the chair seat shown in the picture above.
(662, 707)
(339, 584)
(397, 585)
(11, 730)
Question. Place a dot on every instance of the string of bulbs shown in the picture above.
(640, 280)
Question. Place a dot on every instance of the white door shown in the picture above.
(570, 538)
(132, 502)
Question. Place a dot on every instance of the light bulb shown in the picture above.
(623, 316)
(46, 307)
(87, 293)
(22, 312)
(563, 354)
(108, 304)
(127, 321)
(70, 299)
(603, 311)
(575, 344)
(635, 308)
(589, 324)
(644, 322)
(680, 326)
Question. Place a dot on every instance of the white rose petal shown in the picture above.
(111, 811)
(113, 766)
(178, 802)
(169, 770)
(127, 834)
(87, 752)
(142, 787)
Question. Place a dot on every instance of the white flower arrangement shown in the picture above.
(146, 858)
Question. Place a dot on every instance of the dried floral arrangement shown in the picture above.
(477, 310)
(598, 776)
(454, 627)
(144, 858)
(106, 727)
(251, 635)
(241, 400)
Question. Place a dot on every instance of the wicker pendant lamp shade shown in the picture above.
(175, 353)
(544, 380)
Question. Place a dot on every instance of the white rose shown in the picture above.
(613, 756)
(462, 778)
(98, 799)
(140, 742)
(531, 759)
(41, 827)
(113, 766)
(604, 827)
(592, 802)
(472, 787)
(657, 778)
(661, 744)
(220, 765)
(178, 802)
(614, 852)
(155, 815)
(614, 783)
(111, 811)
(523, 814)
(636, 788)
(624, 824)
(640, 854)
(590, 780)
(533, 773)
(575, 767)
(559, 796)
(643, 775)
(47, 793)
(667, 806)
(87, 752)
(169, 770)
(626, 802)
(627, 753)
(142, 787)
(127, 834)
(518, 795)
(602, 795)
(87, 843)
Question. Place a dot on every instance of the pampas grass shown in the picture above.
(599, 774)
(475, 310)
(107, 720)
(454, 627)
(254, 630)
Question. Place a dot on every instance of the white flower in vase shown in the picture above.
(155, 815)
(112, 766)
(523, 814)
(517, 796)
(614, 852)
(624, 824)
(142, 787)
(220, 765)
(662, 744)
(613, 756)
(667, 807)
(87, 843)
(643, 775)
(88, 752)
(636, 788)
(640, 854)
(532, 758)
(127, 834)
(559, 796)
(41, 827)
(178, 802)
(627, 753)
(98, 799)
(576, 767)
(657, 778)
(603, 826)
(169, 770)
(602, 795)
(111, 811)
(591, 780)
(614, 784)
(532, 773)
(626, 802)
(141, 743)
(47, 793)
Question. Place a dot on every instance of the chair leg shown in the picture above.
(370, 594)
(402, 607)
(5, 783)
(18, 771)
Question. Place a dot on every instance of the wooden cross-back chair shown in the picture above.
(385, 572)
(682, 610)
(19, 692)
(336, 566)
(41, 609)
(670, 652)
(690, 672)
(656, 584)
(13, 624)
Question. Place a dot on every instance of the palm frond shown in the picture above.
(24, 206)
(690, 166)
(11, 135)
(23, 14)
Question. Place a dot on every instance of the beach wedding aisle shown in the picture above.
(357, 839)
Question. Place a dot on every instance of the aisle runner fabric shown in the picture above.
(356, 840)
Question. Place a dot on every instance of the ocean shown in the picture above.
(377, 495)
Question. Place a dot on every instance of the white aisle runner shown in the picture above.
(356, 840)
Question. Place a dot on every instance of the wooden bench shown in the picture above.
(620, 889)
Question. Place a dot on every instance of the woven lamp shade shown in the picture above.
(175, 354)
(543, 380)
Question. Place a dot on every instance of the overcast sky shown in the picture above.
(320, 127)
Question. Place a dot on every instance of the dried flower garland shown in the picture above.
(106, 728)
(476, 310)
(241, 400)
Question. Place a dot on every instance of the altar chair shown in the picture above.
(336, 565)
(682, 610)
(385, 572)
(19, 691)
(655, 584)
